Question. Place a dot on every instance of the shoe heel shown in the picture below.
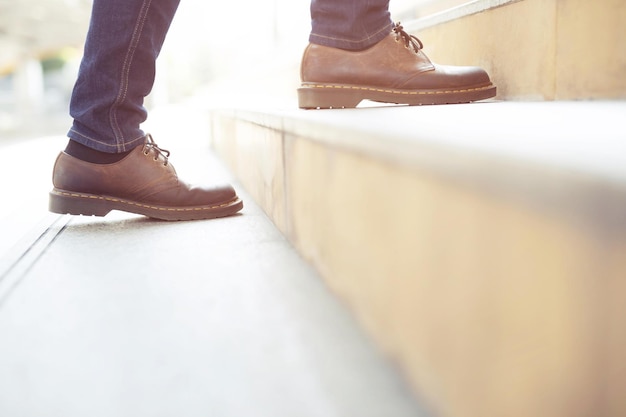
(328, 97)
(68, 203)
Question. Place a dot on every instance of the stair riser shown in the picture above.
(491, 306)
(538, 49)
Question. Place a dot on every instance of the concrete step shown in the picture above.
(483, 246)
(533, 49)
(24, 220)
(129, 317)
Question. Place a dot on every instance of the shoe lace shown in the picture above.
(410, 41)
(150, 145)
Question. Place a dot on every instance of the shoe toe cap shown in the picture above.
(449, 76)
(205, 195)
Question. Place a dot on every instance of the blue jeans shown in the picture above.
(349, 24)
(124, 40)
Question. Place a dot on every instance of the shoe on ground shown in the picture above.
(144, 182)
(395, 70)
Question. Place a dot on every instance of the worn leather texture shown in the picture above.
(388, 64)
(143, 176)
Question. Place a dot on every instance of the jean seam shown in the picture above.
(125, 75)
(106, 144)
(373, 35)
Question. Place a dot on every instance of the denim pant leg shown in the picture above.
(349, 24)
(117, 71)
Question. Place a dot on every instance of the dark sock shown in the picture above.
(85, 153)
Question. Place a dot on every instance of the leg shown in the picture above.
(117, 72)
(109, 163)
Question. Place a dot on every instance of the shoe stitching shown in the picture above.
(379, 90)
(387, 27)
(132, 203)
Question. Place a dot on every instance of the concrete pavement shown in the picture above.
(127, 316)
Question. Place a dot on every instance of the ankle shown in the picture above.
(87, 154)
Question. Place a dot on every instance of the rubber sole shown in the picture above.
(68, 202)
(327, 96)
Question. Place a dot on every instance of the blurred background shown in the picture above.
(210, 50)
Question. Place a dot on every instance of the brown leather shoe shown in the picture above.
(395, 70)
(144, 182)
